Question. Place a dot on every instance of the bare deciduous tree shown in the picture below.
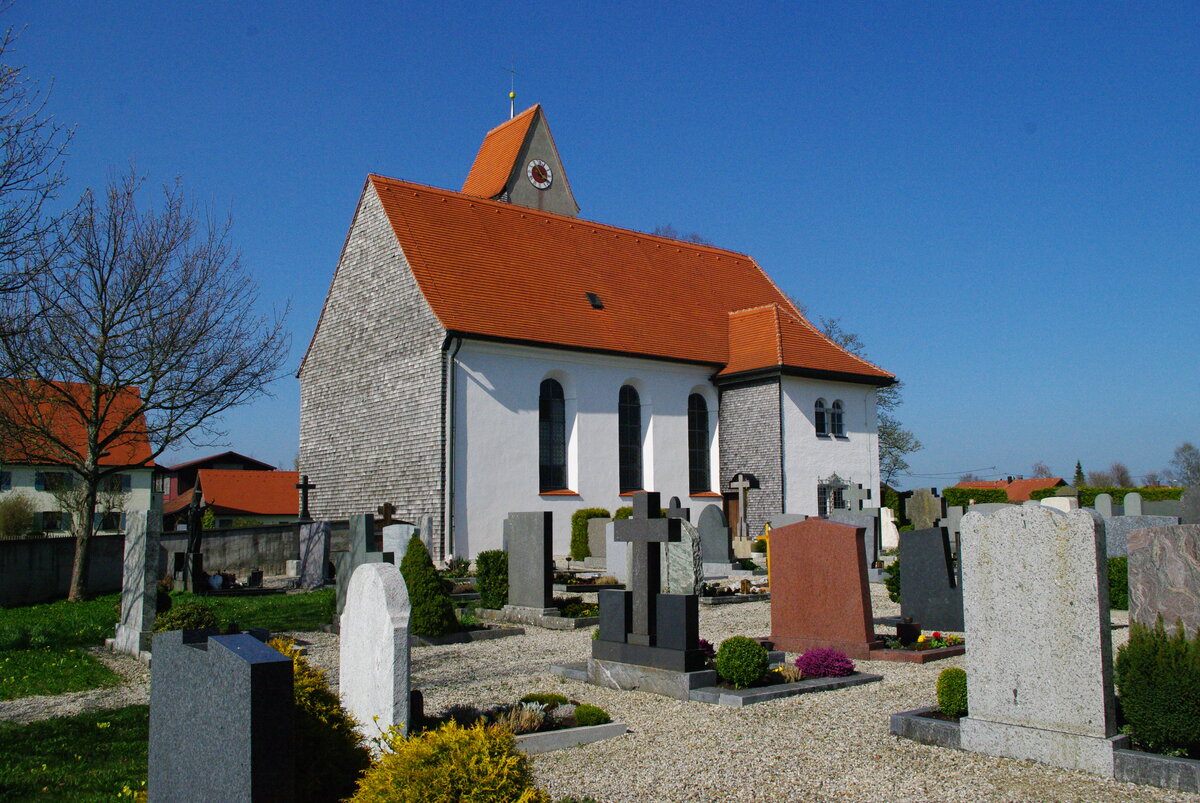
(143, 325)
(1040, 469)
(32, 170)
(1185, 466)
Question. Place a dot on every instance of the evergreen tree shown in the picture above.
(1079, 480)
(432, 609)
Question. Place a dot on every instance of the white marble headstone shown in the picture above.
(889, 533)
(1039, 652)
(374, 672)
(139, 580)
(616, 555)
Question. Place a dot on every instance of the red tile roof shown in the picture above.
(259, 493)
(498, 270)
(225, 457)
(497, 155)
(1018, 490)
(54, 411)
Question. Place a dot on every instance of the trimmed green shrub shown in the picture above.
(963, 496)
(330, 754)
(479, 764)
(546, 698)
(894, 499)
(432, 609)
(1118, 583)
(194, 615)
(491, 578)
(759, 546)
(741, 661)
(952, 692)
(1158, 689)
(623, 512)
(579, 530)
(586, 715)
(891, 580)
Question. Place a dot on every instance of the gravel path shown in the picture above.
(826, 746)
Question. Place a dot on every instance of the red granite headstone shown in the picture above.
(819, 592)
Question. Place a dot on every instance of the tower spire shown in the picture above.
(512, 90)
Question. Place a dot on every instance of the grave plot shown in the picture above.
(649, 641)
(820, 595)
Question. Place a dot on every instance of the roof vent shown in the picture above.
(595, 301)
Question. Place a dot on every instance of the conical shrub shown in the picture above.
(432, 609)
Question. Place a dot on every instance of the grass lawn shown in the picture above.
(86, 757)
(41, 646)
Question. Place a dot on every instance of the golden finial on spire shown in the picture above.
(512, 91)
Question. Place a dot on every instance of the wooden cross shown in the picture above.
(304, 486)
(644, 532)
(741, 483)
(386, 511)
(676, 511)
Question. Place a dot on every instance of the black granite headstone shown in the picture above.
(716, 544)
(930, 587)
(221, 719)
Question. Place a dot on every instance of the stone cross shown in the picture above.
(675, 510)
(855, 496)
(386, 511)
(644, 532)
(304, 486)
(741, 483)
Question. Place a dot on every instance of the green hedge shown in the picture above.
(579, 528)
(962, 496)
(491, 578)
(1118, 583)
(1087, 495)
(894, 500)
(623, 512)
(1158, 689)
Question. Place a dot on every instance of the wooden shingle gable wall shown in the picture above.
(371, 383)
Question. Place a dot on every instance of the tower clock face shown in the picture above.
(539, 174)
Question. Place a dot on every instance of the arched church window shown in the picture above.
(835, 419)
(629, 439)
(819, 417)
(552, 437)
(698, 478)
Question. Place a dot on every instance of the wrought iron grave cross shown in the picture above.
(304, 486)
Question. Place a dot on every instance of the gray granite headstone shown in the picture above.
(1133, 504)
(1039, 662)
(683, 563)
(139, 579)
(361, 541)
(616, 557)
(597, 546)
(930, 588)
(869, 522)
(1162, 507)
(1104, 505)
(374, 674)
(396, 537)
(221, 719)
(1164, 576)
(314, 553)
(1189, 506)
(953, 524)
(425, 525)
(530, 560)
(924, 507)
(1118, 528)
(716, 544)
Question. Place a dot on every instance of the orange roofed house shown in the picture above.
(32, 467)
(239, 497)
(487, 351)
(1018, 489)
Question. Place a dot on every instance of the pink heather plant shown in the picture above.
(824, 663)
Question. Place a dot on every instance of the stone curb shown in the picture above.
(1130, 766)
(733, 599)
(466, 636)
(548, 622)
(586, 588)
(916, 656)
(737, 698)
(533, 743)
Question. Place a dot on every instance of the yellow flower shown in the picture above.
(921, 638)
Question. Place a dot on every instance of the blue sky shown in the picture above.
(1000, 199)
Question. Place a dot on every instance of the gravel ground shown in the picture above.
(827, 746)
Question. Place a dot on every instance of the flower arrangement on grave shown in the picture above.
(934, 641)
(533, 713)
(576, 608)
(825, 663)
(330, 754)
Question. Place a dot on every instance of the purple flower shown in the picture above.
(710, 652)
(824, 663)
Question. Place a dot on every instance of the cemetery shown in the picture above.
(814, 690)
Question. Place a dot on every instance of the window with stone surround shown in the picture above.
(552, 437)
(698, 442)
(830, 496)
(629, 439)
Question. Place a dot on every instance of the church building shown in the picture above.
(488, 351)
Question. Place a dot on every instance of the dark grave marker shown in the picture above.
(362, 541)
(530, 561)
(304, 486)
(931, 586)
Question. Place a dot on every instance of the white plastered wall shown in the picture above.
(495, 461)
(809, 458)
